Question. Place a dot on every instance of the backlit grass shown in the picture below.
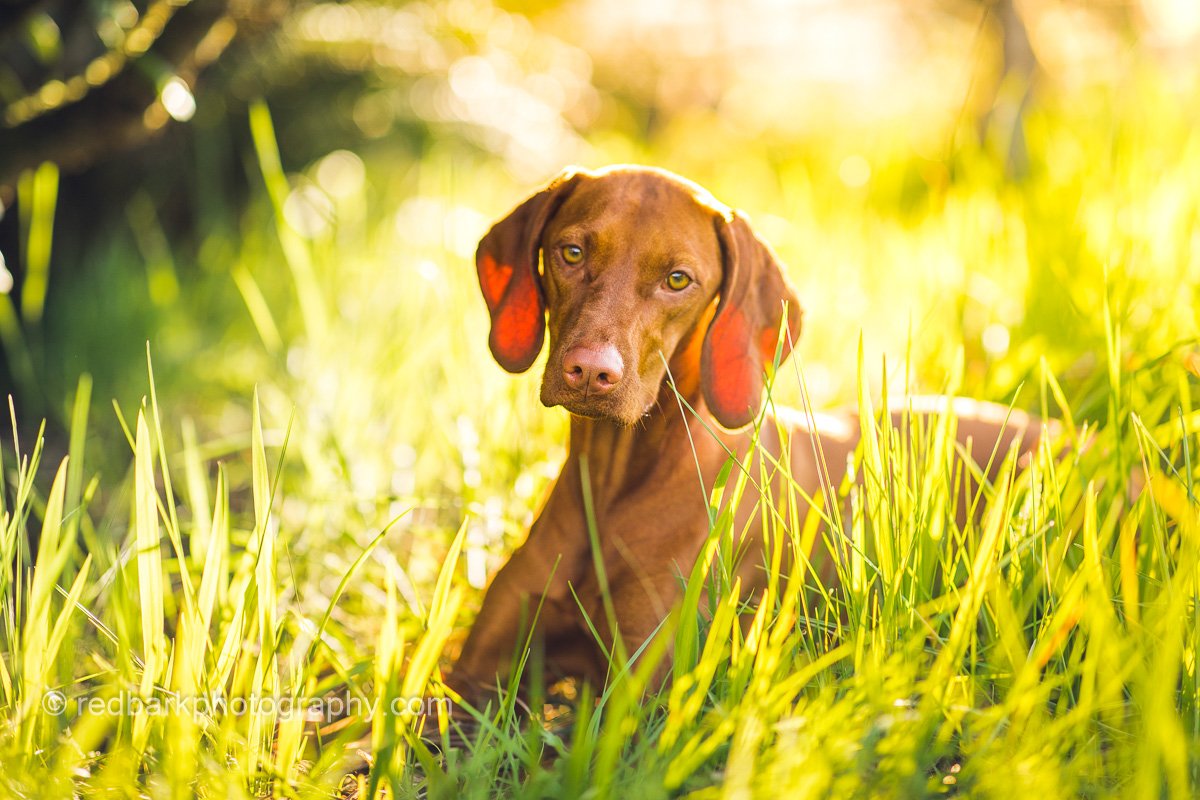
(325, 535)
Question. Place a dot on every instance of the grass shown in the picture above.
(308, 514)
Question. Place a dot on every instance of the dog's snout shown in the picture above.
(593, 370)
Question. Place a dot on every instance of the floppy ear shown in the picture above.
(741, 340)
(507, 262)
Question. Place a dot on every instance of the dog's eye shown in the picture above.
(678, 281)
(572, 253)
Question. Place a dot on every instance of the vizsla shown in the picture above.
(636, 271)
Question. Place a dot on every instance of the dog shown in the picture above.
(665, 313)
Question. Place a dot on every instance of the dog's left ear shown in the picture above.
(507, 263)
(742, 338)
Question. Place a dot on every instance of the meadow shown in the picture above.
(295, 490)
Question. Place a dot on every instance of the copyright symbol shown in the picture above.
(54, 703)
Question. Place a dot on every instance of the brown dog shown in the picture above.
(641, 271)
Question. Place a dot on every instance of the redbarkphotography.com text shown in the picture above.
(322, 710)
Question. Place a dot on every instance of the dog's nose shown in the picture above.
(594, 370)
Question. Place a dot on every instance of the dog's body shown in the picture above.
(653, 294)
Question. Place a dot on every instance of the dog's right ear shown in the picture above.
(743, 336)
(507, 262)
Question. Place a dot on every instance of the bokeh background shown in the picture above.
(286, 197)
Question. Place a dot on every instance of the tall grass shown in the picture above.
(316, 537)
(1049, 648)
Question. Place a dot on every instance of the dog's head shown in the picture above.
(627, 266)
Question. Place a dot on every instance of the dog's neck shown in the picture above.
(623, 458)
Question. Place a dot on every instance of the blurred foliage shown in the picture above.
(321, 255)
